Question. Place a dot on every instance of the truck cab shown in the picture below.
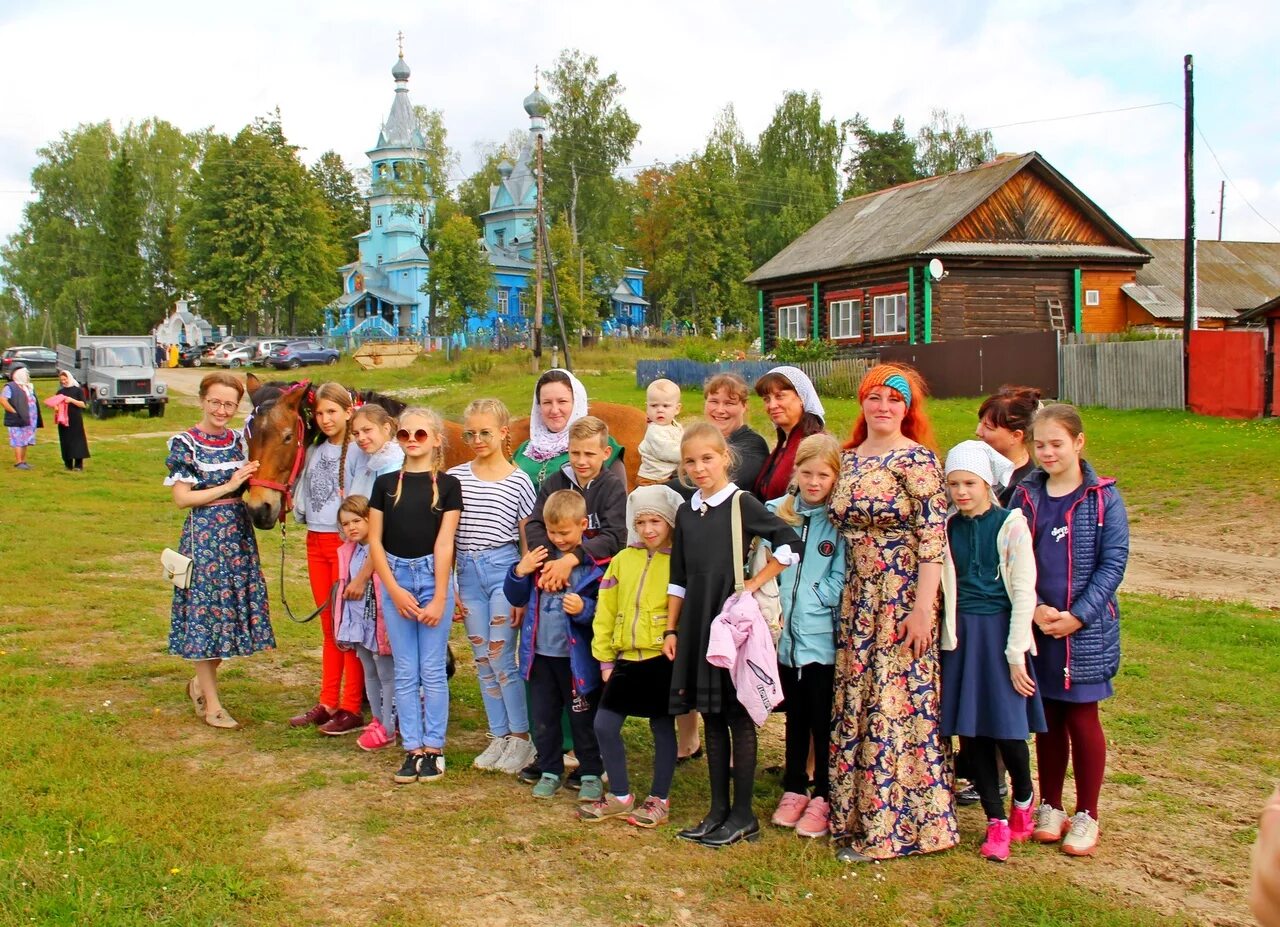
(117, 373)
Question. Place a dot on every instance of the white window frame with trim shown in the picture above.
(502, 300)
(793, 322)
(883, 303)
(1092, 298)
(845, 311)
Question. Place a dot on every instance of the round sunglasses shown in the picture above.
(484, 436)
(421, 435)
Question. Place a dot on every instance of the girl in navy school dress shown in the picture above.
(224, 612)
(1081, 536)
(989, 594)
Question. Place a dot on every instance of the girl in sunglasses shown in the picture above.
(413, 518)
(496, 496)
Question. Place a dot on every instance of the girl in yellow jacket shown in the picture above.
(630, 622)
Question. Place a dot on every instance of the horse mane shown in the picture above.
(272, 390)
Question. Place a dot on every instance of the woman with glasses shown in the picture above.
(496, 496)
(224, 611)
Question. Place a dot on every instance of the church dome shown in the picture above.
(400, 71)
(505, 168)
(535, 104)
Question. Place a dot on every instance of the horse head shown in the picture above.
(276, 433)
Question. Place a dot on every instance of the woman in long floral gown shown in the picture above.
(891, 788)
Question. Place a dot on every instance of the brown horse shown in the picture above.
(279, 431)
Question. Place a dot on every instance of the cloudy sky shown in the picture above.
(1026, 70)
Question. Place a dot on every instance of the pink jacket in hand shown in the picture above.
(740, 641)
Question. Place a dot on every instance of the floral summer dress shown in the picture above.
(891, 790)
(224, 613)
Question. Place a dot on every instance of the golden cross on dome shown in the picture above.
(535, 78)
(400, 43)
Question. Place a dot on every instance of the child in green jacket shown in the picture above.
(630, 621)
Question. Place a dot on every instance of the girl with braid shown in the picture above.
(413, 520)
(327, 475)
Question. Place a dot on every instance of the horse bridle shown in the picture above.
(286, 489)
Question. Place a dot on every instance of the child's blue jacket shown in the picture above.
(811, 589)
(585, 581)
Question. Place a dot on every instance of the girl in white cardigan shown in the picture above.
(988, 687)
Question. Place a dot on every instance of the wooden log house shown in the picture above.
(1022, 250)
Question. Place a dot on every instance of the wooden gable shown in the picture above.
(1028, 209)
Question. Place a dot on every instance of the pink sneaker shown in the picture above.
(374, 737)
(813, 823)
(790, 809)
(996, 846)
(1022, 823)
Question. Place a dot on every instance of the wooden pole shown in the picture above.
(1189, 241)
(555, 290)
(537, 267)
(1222, 202)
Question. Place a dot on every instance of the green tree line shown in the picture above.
(122, 223)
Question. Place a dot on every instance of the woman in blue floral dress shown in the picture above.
(224, 613)
(891, 788)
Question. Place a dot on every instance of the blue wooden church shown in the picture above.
(383, 294)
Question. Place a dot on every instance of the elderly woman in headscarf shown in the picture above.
(793, 406)
(21, 415)
(559, 400)
(71, 437)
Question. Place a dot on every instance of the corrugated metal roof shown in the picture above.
(1164, 303)
(1231, 276)
(1029, 250)
(904, 221)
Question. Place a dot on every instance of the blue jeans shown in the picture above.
(493, 640)
(420, 653)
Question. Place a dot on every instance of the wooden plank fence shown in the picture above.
(1123, 374)
(837, 379)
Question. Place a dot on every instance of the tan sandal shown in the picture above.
(197, 699)
(221, 719)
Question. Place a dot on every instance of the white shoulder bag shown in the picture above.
(768, 597)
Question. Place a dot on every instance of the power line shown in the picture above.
(1227, 177)
(1096, 112)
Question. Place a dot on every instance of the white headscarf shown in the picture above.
(70, 377)
(981, 459)
(543, 444)
(20, 376)
(804, 389)
(651, 500)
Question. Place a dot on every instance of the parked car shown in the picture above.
(297, 353)
(264, 348)
(39, 361)
(211, 349)
(237, 355)
(192, 355)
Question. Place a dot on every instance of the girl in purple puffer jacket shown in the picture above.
(1081, 536)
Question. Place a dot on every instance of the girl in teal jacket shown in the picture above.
(810, 592)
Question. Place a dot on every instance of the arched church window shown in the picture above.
(378, 221)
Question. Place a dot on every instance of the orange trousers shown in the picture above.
(341, 675)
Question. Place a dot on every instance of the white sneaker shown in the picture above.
(519, 753)
(1082, 839)
(1051, 824)
(491, 755)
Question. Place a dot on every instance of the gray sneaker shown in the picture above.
(548, 785)
(592, 789)
(611, 806)
(491, 755)
(519, 753)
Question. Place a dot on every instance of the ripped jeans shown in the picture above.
(493, 639)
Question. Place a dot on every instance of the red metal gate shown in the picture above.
(1227, 373)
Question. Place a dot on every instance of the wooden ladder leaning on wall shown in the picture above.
(1057, 315)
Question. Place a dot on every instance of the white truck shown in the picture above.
(118, 372)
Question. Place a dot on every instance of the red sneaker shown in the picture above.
(996, 846)
(814, 821)
(374, 737)
(1021, 823)
(790, 809)
(342, 722)
(317, 716)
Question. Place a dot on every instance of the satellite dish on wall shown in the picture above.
(936, 270)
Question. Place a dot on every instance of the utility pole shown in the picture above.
(1222, 202)
(1189, 241)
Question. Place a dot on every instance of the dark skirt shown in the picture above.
(639, 688)
(978, 698)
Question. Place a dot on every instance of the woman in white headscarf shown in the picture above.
(559, 400)
(21, 415)
(71, 436)
(793, 406)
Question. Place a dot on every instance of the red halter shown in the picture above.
(299, 458)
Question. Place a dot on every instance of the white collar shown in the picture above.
(697, 501)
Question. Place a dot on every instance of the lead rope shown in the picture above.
(284, 600)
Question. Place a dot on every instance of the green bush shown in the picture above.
(800, 352)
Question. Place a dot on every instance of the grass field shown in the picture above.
(118, 808)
